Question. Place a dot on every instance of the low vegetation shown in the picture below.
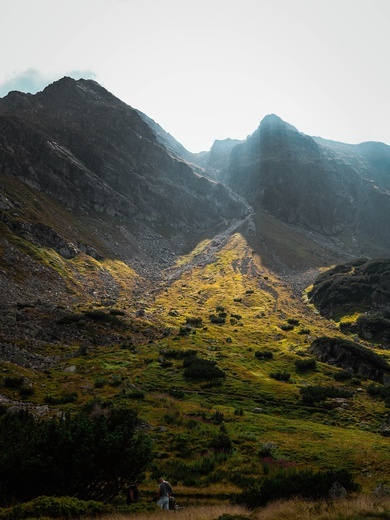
(214, 380)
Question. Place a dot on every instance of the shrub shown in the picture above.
(264, 354)
(198, 368)
(56, 507)
(26, 391)
(178, 354)
(100, 382)
(304, 365)
(217, 417)
(315, 394)
(373, 323)
(287, 326)
(117, 312)
(221, 442)
(383, 392)
(194, 322)
(99, 315)
(115, 381)
(13, 382)
(280, 376)
(305, 484)
(293, 321)
(342, 375)
(267, 449)
(67, 397)
(91, 456)
(218, 318)
(177, 394)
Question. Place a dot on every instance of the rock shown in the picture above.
(71, 369)
(337, 491)
(381, 491)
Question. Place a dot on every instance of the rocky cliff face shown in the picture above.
(216, 161)
(329, 188)
(351, 357)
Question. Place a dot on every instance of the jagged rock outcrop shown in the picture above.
(351, 357)
(216, 161)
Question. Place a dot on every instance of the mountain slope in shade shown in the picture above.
(94, 154)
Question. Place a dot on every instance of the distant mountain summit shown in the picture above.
(325, 187)
(89, 151)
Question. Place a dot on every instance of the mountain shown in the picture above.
(339, 191)
(131, 280)
(78, 144)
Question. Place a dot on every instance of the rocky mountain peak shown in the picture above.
(96, 156)
(272, 122)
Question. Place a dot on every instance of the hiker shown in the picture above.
(132, 493)
(163, 493)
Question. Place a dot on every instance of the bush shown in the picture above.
(218, 318)
(373, 323)
(267, 449)
(67, 397)
(55, 507)
(315, 394)
(194, 322)
(198, 368)
(178, 354)
(26, 391)
(100, 382)
(304, 365)
(287, 326)
(13, 382)
(117, 312)
(93, 457)
(305, 484)
(383, 392)
(264, 354)
(221, 442)
(342, 375)
(280, 376)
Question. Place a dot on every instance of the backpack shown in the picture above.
(169, 487)
(135, 495)
(172, 503)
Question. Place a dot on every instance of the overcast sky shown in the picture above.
(212, 69)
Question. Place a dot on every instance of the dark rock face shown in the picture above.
(79, 144)
(216, 161)
(360, 285)
(330, 188)
(351, 357)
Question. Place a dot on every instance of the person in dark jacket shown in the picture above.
(132, 493)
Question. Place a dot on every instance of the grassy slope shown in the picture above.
(127, 365)
(183, 426)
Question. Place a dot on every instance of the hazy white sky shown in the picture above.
(211, 69)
